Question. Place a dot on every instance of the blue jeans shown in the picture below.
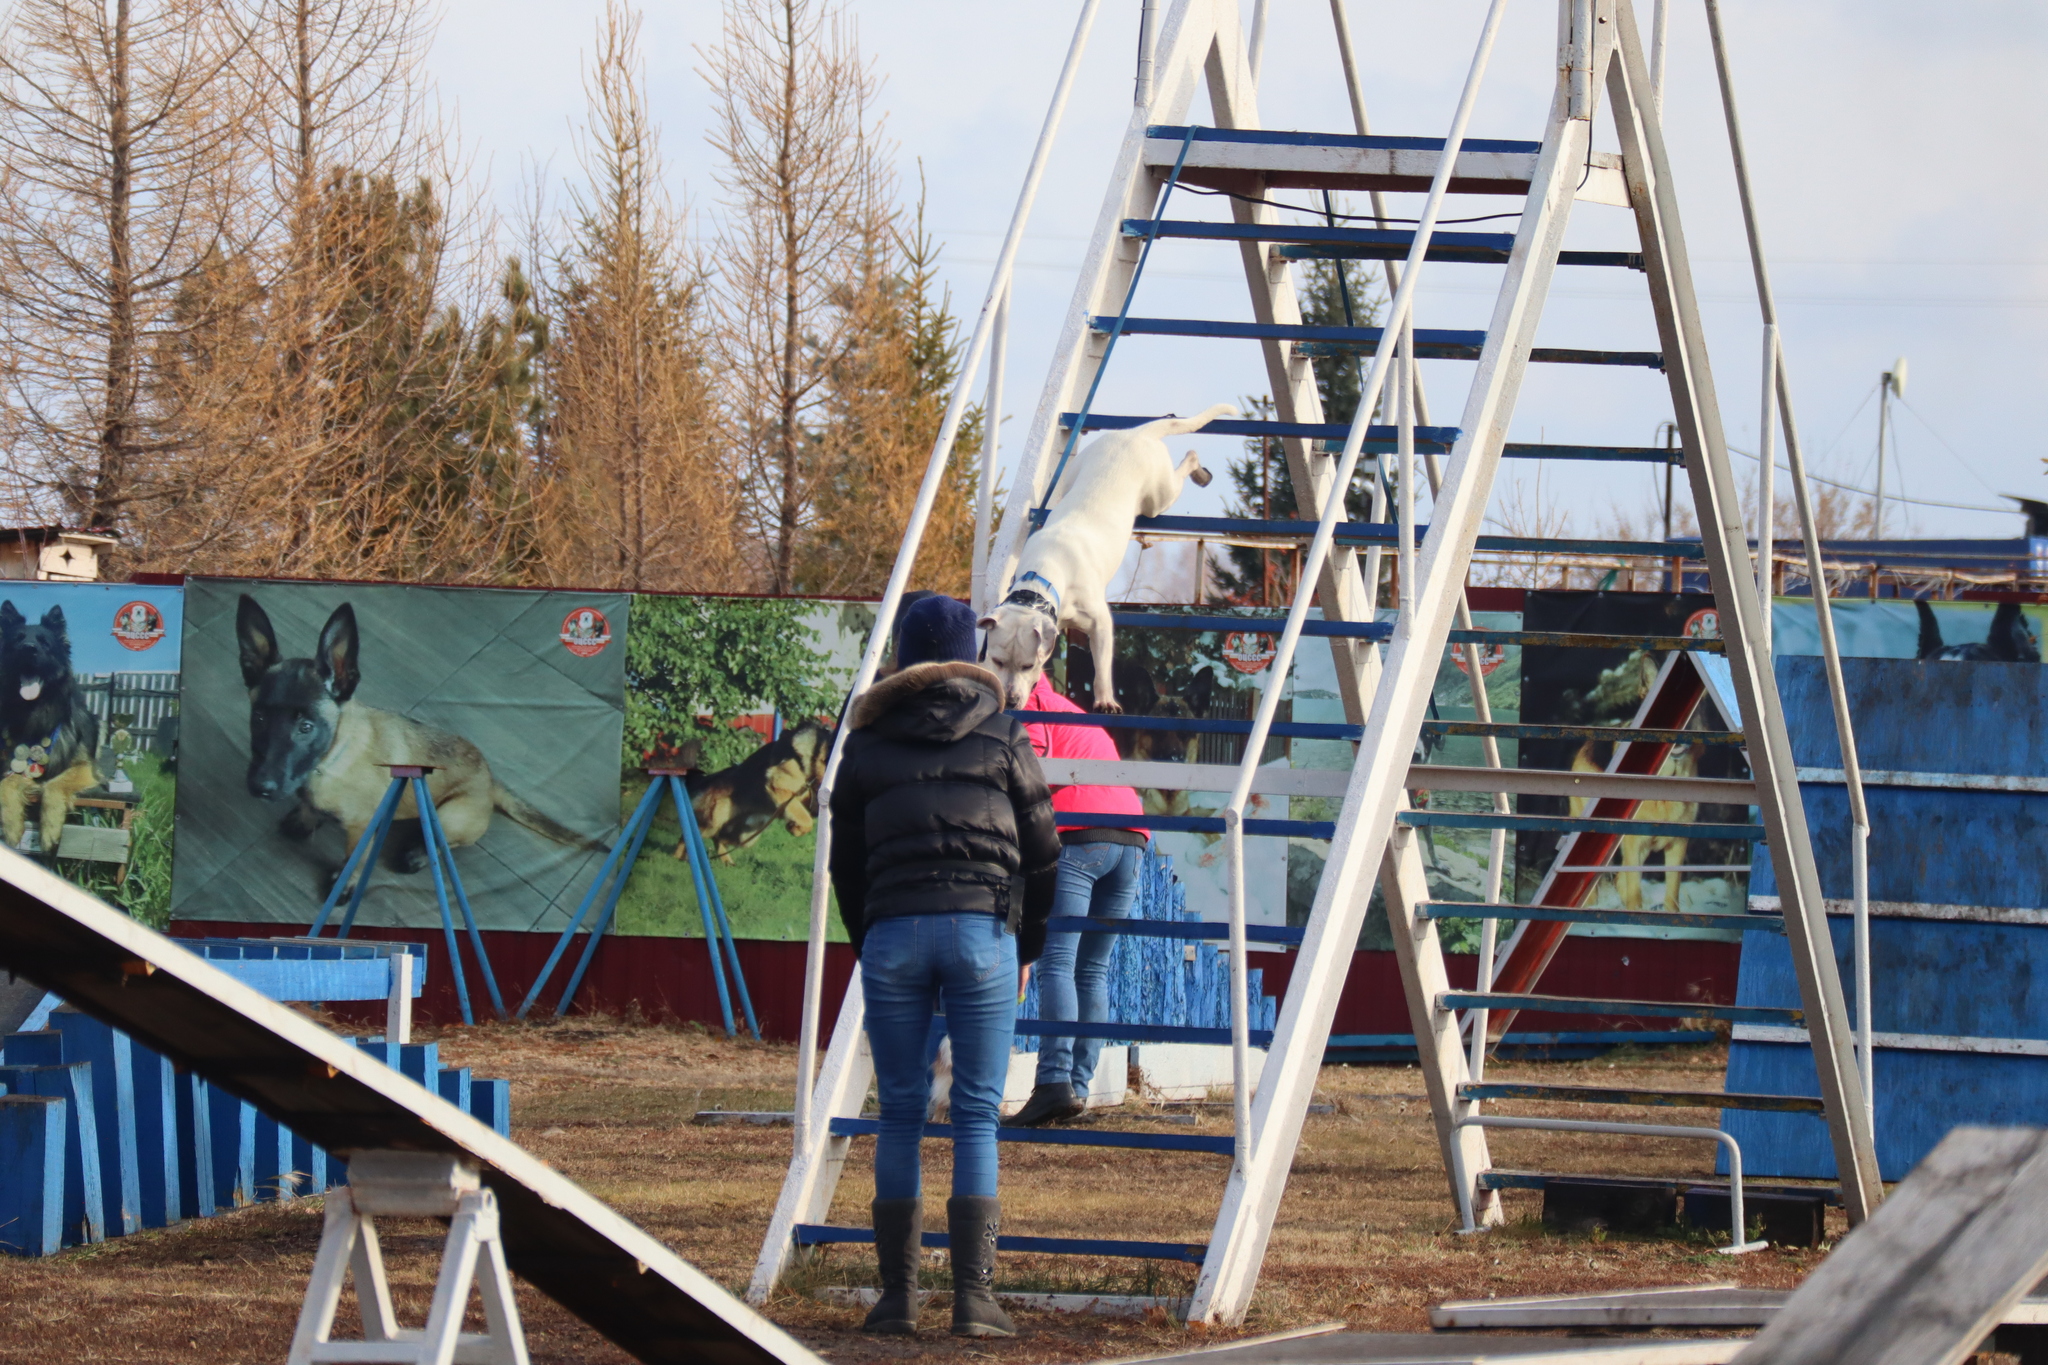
(911, 966)
(1099, 880)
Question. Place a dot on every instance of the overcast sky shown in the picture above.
(1898, 149)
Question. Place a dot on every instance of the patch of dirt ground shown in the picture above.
(1365, 1234)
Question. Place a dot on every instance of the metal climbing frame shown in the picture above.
(1385, 670)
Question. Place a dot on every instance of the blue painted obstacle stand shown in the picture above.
(1959, 924)
(610, 883)
(354, 879)
(101, 1137)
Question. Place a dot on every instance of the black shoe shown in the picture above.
(973, 1221)
(1053, 1103)
(899, 1234)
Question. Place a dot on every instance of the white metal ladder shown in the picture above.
(1600, 61)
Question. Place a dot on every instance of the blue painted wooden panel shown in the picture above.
(491, 1102)
(419, 1062)
(234, 1150)
(1923, 718)
(32, 1129)
(1927, 846)
(112, 1056)
(84, 1203)
(319, 1171)
(277, 1173)
(43, 1047)
(158, 1139)
(455, 1086)
(195, 1147)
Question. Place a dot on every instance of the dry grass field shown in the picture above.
(1365, 1235)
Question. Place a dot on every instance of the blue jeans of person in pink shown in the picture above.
(911, 967)
(1099, 880)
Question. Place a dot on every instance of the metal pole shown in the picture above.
(1816, 570)
(1256, 53)
(991, 445)
(1884, 412)
(1148, 32)
(1660, 28)
(899, 576)
(1767, 478)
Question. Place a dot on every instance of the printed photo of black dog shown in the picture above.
(49, 737)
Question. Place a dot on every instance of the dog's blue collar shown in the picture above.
(1051, 593)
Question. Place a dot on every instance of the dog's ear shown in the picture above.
(53, 619)
(1201, 692)
(1930, 630)
(11, 619)
(336, 663)
(257, 641)
(1047, 634)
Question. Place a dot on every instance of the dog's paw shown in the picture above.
(1107, 707)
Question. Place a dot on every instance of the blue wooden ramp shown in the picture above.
(569, 1245)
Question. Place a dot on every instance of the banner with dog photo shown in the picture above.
(743, 693)
(89, 734)
(302, 695)
(1573, 686)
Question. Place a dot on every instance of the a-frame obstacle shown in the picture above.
(1385, 670)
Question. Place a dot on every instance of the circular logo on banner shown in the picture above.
(585, 632)
(1247, 652)
(138, 625)
(1490, 658)
(1704, 624)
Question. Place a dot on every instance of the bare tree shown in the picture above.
(806, 182)
(640, 495)
(123, 145)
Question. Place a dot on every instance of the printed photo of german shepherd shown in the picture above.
(49, 737)
(301, 698)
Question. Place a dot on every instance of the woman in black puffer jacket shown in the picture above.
(944, 858)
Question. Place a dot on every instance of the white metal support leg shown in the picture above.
(411, 1185)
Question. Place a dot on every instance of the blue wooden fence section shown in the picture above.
(100, 1137)
(1165, 980)
(1954, 984)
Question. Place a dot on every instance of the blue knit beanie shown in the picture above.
(936, 630)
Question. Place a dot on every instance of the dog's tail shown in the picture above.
(1181, 426)
(538, 821)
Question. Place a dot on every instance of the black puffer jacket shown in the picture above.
(940, 807)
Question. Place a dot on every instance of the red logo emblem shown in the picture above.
(1249, 653)
(1490, 658)
(1704, 624)
(138, 625)
(585, 632)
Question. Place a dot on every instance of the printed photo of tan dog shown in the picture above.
(301, 697)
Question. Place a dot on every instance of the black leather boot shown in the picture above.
(973, 1221)
(1053, 1103)
(899, 1234)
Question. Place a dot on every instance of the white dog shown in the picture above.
(1063, 575)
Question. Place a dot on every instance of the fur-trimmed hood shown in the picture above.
(939, 702)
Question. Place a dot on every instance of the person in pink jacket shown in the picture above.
(1098, 876)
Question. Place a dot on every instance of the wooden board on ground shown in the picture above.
(570, 1246)
(1939, 1265)
(1690, 1305)
(1420, 1348)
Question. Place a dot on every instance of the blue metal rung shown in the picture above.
(1431, 343)
(1201, 824)
(1679, 1099)
(1063, 1137)
(1658, 1009)
(1271, 625)
(1168, 928)
(1619, 734)
(1498, 1179)
(1660, 919)
(816, 1234)
(1387, 533)
(1277, 137)
(1136, 1033)
(1381, 1042)
(1295, 729)
(1319, 243)
(1573, 824)
(1382, 438)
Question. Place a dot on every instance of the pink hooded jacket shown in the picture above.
(1077, 741)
